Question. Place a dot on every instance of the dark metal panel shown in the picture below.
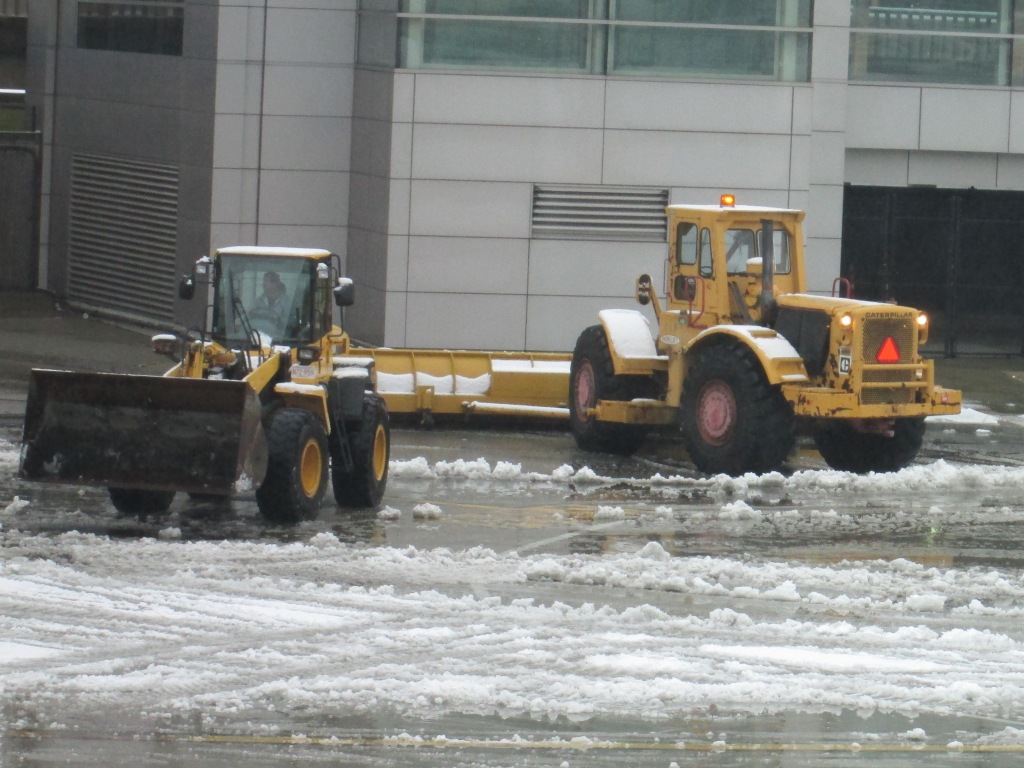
(19, 210)
(123, 235)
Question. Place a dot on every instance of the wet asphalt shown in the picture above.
(38, 331)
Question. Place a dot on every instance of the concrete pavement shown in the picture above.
(36, 331)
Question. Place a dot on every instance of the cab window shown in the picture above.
(742, 244)
(686, 244)
(707, 264)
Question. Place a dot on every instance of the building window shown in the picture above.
(966, 42)
(758, 39)
(738, 39)
(13, 43)
(135, 26)
(496, 34)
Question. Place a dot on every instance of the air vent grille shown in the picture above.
(123, 235)
(599, 213)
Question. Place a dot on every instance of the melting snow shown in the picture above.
(167, 625)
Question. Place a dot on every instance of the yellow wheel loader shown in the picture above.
(743, 357)
(264, 398)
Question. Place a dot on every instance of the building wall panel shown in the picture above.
(509, 100)
(503, 153)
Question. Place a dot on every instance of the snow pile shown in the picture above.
(170, 626)
(937, 476)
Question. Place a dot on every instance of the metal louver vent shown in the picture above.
(123, 235)
(599, 213)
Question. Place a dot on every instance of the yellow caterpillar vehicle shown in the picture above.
(744, 357)
(260, 400)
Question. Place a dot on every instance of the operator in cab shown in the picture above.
(269, 312)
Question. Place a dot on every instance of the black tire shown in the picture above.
(293, 488)
(140, 503)
(844, 448)
(370, 444)
(592, 378)
(732, 420)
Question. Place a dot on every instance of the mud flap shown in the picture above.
(146, 432)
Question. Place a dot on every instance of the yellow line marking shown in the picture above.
(581, 745)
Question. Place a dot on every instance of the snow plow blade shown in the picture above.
(457, 382)
(142, 432)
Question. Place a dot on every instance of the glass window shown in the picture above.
(707, 262)
(739, 247)
(761, 39)
(491, 40)
(13, 48)
(693, 37)
(743, 244)
(941, 41)
(686, 244)
(268, 295)
(710, 53)
(136, 26)
(761, 13)
(555, 9)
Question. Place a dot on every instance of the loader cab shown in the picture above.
(280, 294)
(715, 265)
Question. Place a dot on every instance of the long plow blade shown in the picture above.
(146, 432)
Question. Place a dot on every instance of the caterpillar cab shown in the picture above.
(743, 357)
(256, 400)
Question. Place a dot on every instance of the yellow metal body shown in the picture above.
(451, 382)
(715, 279)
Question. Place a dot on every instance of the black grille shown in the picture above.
(902, 331)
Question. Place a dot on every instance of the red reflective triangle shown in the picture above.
(888, 352)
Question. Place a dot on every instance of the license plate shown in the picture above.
(303, 372)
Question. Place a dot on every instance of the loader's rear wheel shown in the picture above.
(847, 449)
(592, 378)
(370, 443)
(296, 478)
(140, 503)
(732, 420)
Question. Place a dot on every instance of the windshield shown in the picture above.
(742, 244)
(272, 294)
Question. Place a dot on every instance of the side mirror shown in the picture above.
(187, 287)
(187, 283)
(345, 292)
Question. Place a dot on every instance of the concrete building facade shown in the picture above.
(489, 171)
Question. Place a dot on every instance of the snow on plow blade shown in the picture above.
(441, 381)
(145, 432)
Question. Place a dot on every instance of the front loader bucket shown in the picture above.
(145, 432)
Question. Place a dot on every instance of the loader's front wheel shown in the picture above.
(845, 448)
(732, 420)
(591, 378)
(140, 503)
(296, 478)
(370, 444)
